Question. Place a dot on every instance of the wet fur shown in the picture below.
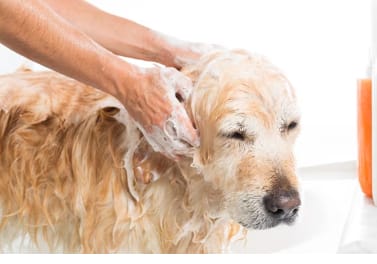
(76, 173)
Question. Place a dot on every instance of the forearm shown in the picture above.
(122, 36)
(32, 29)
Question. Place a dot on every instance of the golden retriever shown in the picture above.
(77, 174)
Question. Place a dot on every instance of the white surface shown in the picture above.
(360, 233)
(322, 46)
(327, 193)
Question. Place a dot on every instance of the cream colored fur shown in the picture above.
(77, 174)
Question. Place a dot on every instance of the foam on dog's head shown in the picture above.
(242, 106)
(214, 95)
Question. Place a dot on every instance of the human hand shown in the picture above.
(187, 53)
(156, 103)
(179, 53)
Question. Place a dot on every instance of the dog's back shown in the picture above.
(58, 157)
(70, 163)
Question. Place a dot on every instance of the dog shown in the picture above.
(77, 175)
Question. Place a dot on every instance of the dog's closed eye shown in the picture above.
(239, 135)
(292, 125)
(238, 132)
(288, 127)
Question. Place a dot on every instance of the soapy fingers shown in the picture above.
(156, 104)
(183, 52)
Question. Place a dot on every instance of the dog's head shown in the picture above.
(246, 113)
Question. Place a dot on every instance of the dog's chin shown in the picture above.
(265, 222)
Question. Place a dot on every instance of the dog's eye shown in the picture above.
(292, 125)
(239, 135)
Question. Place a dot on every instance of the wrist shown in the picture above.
(175, 52)
(119, 78)
(165, 52)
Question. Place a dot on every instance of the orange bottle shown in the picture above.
(364, 132)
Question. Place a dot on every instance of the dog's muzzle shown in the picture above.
(282, 206)
(273, 208)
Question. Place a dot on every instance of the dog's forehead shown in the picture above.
(239, 84)
(253, 89)
(241, 70)
(232, 66)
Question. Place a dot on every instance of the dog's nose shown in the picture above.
(282, 205)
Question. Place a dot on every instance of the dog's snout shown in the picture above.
(282, 205)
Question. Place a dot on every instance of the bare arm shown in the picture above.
(125, 37)
(34, 30)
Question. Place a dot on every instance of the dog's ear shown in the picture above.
(200, 113)
(203, 78)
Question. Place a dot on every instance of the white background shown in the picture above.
(321, 45)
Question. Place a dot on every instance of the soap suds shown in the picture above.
(133, 140)
(172, 137)
(189, 47)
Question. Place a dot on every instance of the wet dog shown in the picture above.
(77, 174)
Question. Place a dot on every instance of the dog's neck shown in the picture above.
(200, 225)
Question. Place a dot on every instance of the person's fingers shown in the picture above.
(184, 129)
(183, 88)
(165, 140)
(173, 133)
(181, 84)
(161, 142)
